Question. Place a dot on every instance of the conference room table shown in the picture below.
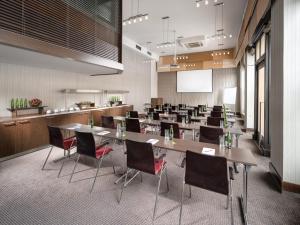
(194, 127)
(235, 155)
(230, 120)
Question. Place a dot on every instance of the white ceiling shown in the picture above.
(186, 19)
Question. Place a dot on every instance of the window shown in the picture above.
(262, 45)
(257, 51)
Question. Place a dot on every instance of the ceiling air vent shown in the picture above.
(191, 42)
(138, 47)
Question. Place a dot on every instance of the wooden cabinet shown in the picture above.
(25, 134)
(8, 138)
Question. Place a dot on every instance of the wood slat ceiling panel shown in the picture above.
(89, 26)
(8, 20)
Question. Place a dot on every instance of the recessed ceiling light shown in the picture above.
(206, 2)
(129, 22)
(141, 19)
(124, 23)
(230, 35)
(198, 4)
(146, 17)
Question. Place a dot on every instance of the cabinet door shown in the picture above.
(97, 114)
(32, 133)
(25, 137)
(8, 138)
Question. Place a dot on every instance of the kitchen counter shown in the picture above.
(26, 117)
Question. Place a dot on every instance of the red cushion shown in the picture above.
(69, 142)
(159, 164)
(102, 150)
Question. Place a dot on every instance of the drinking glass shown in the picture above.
(167, 134)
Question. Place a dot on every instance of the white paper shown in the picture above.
(103, 132)
(208, 151)
(73, 128)
(152, 141)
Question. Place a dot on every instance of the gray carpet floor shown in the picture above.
(29, 195)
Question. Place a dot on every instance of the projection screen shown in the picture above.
(195, 81)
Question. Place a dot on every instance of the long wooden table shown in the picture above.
(194, 127)
(235, 155)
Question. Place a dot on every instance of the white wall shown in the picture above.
(285, 90)
(291, 92)
(24, 81)
(250, 90)
(242, 89)
(222, 78)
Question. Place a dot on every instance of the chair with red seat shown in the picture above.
(56, 140)
(210, 134)
(133, 114)
(165, 125)
(140, 157)
(214, 121)
(108, 122)
(216, 114)
(133, 125)
(86, 146)
(209, 173)
(218, 108)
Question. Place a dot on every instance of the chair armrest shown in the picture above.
(231, 176)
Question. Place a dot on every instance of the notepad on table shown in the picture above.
(103, 132)
(152, 141)
(208, 151)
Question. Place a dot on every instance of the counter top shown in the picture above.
(26, 117)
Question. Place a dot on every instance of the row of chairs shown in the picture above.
(202, 171)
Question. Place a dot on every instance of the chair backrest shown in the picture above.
(108, 122)
(140, 156)
(214, 121)
(173, 107)
(155, 116)
(218, 108)
(150, 110)
(207, 172)
(210, 134)
(133, 125)
(181, 106)
(55, 137)
(201, 107)
(160, 111)
(166, 125)
(179, 118)
(216, 113)
(190, 112)
(133, 114)
(86, 144)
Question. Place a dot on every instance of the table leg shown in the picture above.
(194, 135)
(244, 196)
(237, 145)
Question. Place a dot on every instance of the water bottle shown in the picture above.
(171, 132)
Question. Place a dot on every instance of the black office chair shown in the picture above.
(201, 108)
(214, 121)
(218, 108)
(150, 110)
(133, 125)
(166, 125)
(133, 114)
(155, 116)
(210, 134)
(180, 106)
(209, 173)
(108, 122)
(173, 107)
(56, 140)
(86, 146)
(140, 158)
(216, 114)
(180, 117)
